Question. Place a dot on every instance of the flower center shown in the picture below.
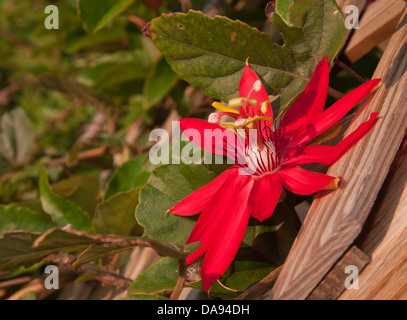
(261, 161)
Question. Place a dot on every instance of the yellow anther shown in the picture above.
(237, 102)
(264, 105)
(223, 108)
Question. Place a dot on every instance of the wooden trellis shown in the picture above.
(365, 222)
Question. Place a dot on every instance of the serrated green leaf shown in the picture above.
(96, 14)
(60, 209)
(167, 185)
(211, 52)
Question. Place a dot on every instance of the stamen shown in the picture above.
(224, 108)
(257, 118)
(237, 102)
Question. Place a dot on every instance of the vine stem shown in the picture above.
(349, 70)
(182, 271)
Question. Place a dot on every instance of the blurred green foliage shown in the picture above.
(77, 105)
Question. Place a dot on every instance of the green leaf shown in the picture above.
(293, 11)
(93, 253)
(16, 251)
(108, 36)
(130, 175)
(239, 280)
(167, 185)
(158, 83)
(23, 248)
(252, 232)
(160, 276)
(21, 270)
(16, 137)
(15, 218)
(81, 189)
(116, 215)
(96, 14)
(67, 187)
(211, 52)
(62, 210)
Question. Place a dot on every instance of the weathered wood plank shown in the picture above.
(333, 284)
(335, 219)
(375, 26)
(384, 239)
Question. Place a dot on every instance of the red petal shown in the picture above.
(312, 100)
(245, 86)
(264, 196)
(328, 154)
(210, 220)
(197, 201)
(334, 113)
(228, 237)
(199, 131)
(301, 181)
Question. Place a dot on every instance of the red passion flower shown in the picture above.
(263, 166)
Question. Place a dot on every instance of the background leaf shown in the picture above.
(96, 14)
(116, 215)
(93, 253)
(16, 137)
(16, 218)
(127, 176)
(158, 83)
(62, 210)
(160, 276)
(167, 185)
